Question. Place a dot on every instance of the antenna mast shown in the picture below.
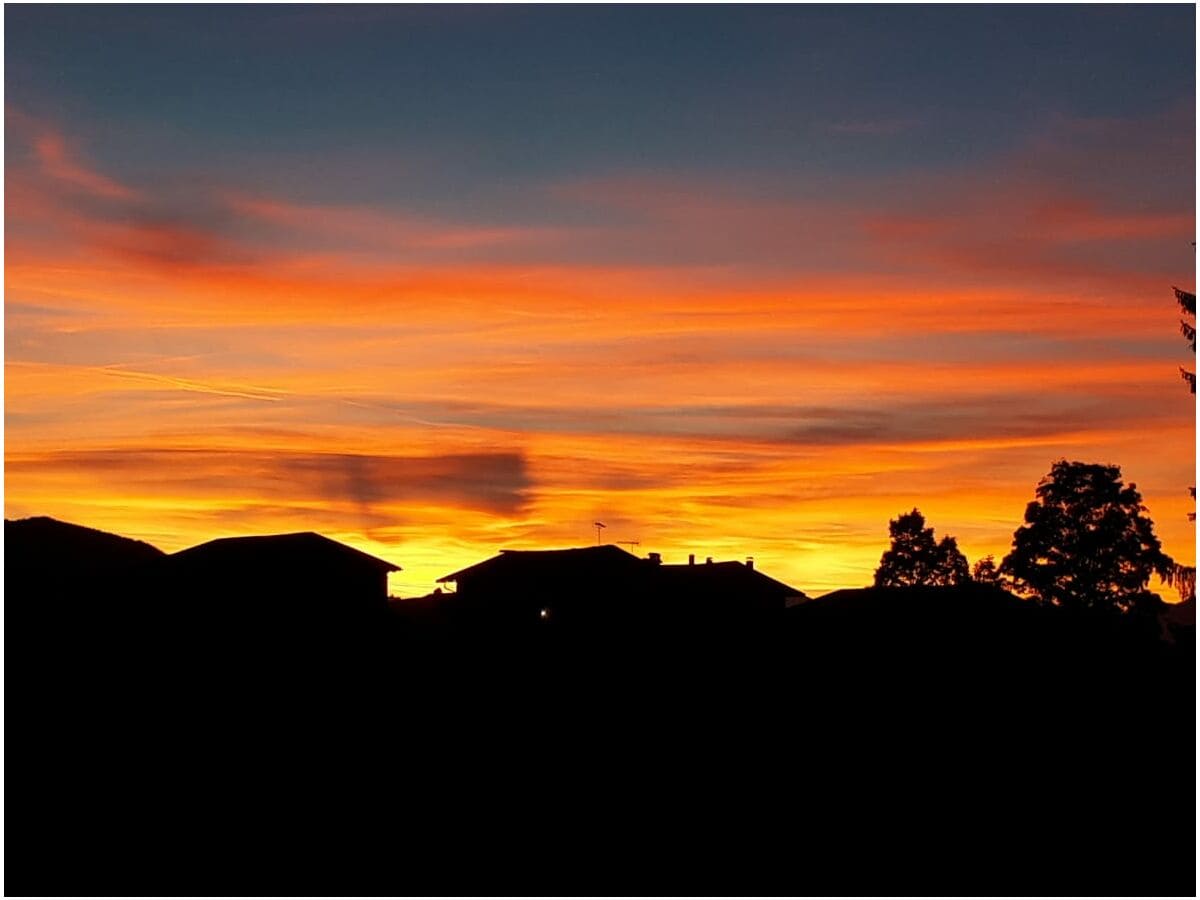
(598, 525)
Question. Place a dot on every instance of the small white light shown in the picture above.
(544, 613)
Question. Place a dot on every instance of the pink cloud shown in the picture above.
(375, 228)
(58, 163)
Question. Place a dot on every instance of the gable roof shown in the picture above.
(598, 564)
(574, 562)
(278, 549)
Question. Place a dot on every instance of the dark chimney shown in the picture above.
(749, 562)
(708, 561)
(691, 559)
(655, 559)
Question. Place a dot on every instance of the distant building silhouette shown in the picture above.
(606, 586)
(65, 582)
(289, 571)
(519, 587)
(1178, 621)
(48, 558)
(724, 587)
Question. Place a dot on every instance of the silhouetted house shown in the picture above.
(956, 607)
(65, 582)
(283, 573)
(724, 588)
(523, 586)
(1178, 621)
(914, 623)
(46, 558)
(605, 585)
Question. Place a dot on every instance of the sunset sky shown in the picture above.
(437, 281)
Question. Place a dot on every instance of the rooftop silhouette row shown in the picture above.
(308, 570)
(305, 580)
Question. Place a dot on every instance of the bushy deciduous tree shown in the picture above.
(915, 558)
(985, 571)
(1086, 541)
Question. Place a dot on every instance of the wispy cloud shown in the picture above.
(58, 163)
(872, 127)
(496, 483)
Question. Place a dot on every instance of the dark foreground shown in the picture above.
(920, 743)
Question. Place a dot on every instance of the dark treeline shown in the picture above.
(254, 716)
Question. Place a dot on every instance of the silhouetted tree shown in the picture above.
(1181, 577)
(1086, 542)
(985, 571)
(1187, 302)
(915, 558)
(952, 566)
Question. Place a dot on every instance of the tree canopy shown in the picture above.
(1086, 541)
(985, 571)
(915, 558)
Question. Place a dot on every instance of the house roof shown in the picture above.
(278, 549)
(930, 600)
(68, 543)
(584, 563)
(575, 562)
(726, 577)
(915, 592)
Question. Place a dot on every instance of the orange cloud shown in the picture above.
(706, 368)
(1080, 219)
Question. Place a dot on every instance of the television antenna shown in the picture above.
(629, 543)
(598, 525)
